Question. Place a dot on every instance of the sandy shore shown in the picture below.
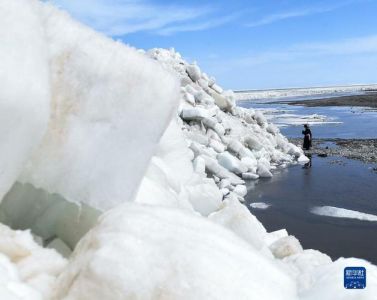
(367, 100)
(360, 149)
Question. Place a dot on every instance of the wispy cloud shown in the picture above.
(197, 26)
(121, 17)
(296, 13)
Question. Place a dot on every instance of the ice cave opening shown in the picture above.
(54, 222)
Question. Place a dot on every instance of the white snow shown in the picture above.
(104, 125)
(163, 253)
(336, 212)
(28, 271)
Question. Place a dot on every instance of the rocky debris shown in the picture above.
(360, 149)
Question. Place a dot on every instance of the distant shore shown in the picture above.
(366, 100)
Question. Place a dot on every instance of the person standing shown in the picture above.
(307, 137)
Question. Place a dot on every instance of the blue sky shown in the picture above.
(250, 44)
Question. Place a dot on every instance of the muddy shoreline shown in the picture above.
(360, 149)
(365, 100)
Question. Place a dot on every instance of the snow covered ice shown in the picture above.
(160, 151)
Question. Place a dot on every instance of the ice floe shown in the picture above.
(259, 205)
(336, 212)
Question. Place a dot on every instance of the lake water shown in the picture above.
(339, 122)
(331, 181)
(339, 182)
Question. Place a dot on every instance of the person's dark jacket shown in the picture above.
(307, 138)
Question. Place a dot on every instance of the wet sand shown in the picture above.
(366, 100)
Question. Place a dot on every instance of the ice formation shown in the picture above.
(259, 205)
(161, 151)
(336, 212)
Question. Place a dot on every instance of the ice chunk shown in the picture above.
(263, 171)
(250, 162)
(337, 212)
(272, 237)
(250, 176)
(213, 167)
(217, 88)
(253, 143)
(25, 90)
(216, 145)
(95, 110)
(128, 254)
(197, 114)
(240, 190)
(194, 72)
(286, 246)
(199, 165)
(259, 205)
(205, 198)
(231, 163)
(189, 98)
(303, 159)
(238, 218)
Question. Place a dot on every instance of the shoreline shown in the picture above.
(366, 100)
(364, 150)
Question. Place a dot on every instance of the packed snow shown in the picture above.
(156, 147)
(336, 212)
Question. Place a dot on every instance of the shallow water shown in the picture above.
(338, 182)
(344, 122)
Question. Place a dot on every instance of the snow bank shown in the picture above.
(337, 212)
(146, 252)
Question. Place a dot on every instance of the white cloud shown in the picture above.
(198, 26)
(121, 17)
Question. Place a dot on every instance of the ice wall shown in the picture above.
(226, 145)
(108, 112)
(25, 92)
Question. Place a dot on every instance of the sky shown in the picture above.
(255, 44)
